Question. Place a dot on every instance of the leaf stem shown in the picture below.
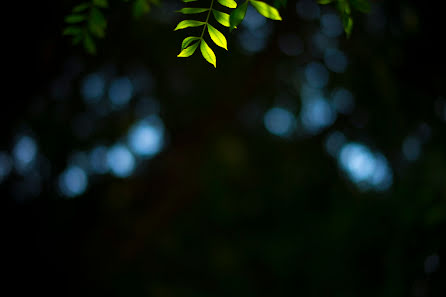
(207, 19)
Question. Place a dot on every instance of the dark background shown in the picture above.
(228, 207)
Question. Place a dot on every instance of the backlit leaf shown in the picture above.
(217, 37)
(188, 51)
(266, 10)
(188, 40)
(188, 23)
(228, 3)
(190, 10)
(221, 17)
(207, 53)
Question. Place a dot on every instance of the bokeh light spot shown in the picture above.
(120, 91)
(316, 74)
(146, 137)
(120, 161)
(279, 121)
(93, 87)
(331, 25)
(98, 160)
(316, 114)
(73, 181)
(24, 152)
(366, 169)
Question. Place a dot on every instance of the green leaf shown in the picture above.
(324, 1)
(89, 44)
(72, 30)
(217, 37)
(207, 53)
(187, 1)
(140, 8)
(74, 18)
(189, 10)
(348, 24)
(100, 3)
(96, 30)
(188, 51)
(81, 7)
(98, 18)
(361, 5)
(188, 23)
(238, 15)
(343, 7)
(228, 3)
(266, 10)
(221, 17)
(188, 40)
(76, 39)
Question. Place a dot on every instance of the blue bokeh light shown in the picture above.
(73, 181)
(365, 168)
(120, 91)
(316, 74)
(335, 60)
(358, 161)
(120, 161)
(279, 121)
(93, 87)
(98, 160)
(24, 152)
(331, 25)
(254, 35)
(146, 137)
(316, 114)
(253, 20)
(382, 177)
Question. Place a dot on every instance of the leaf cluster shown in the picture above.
(345, 10)
(231, 21)
(87, 21)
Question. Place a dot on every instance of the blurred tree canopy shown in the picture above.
(305, 164)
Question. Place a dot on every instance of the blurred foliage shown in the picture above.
(87, 21)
